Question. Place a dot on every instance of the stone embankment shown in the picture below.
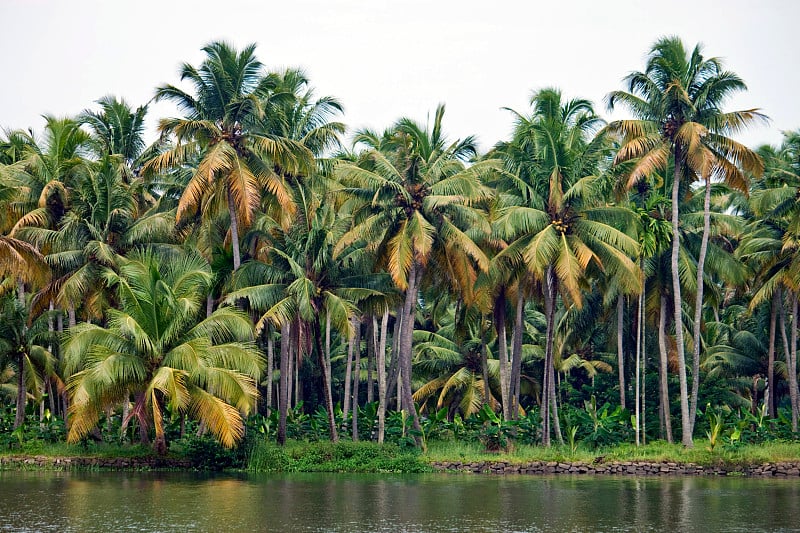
(41, 462)
(629, 468)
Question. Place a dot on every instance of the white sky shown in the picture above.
(387, 59)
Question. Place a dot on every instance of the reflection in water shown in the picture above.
(164, 502)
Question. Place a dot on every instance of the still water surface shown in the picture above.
(178, 502)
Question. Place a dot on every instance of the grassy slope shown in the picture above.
(771, 452)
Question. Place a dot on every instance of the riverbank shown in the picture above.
(60, 463)
(410, 464)
(775, 459)
(619, 468)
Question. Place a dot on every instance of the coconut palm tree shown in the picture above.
(20, 346)
(453, 360)
(158, 348)
(102, 225)
(677, 103)
(236, 162)
(559, 231)
(418, 214)
(117, 129)
(771, 248)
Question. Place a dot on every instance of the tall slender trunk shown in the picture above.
(789, 367)
(773, 319)
(283, 389)
(237, 257)
(19, 419)
(51, 397)
(406, 340)
(516, 352)
(372, 347)
(328, 370)
(381, 364)
(126, 409)
(502, 351)
(394, 365)
(270, 370)
(620, 348)
(637, 387)
(356, 377)
(547, 375)
(292, 361)
(209, 304)
(326, 380)
(22, 398)
(484, 364)
(644, 382)
(348, 371)
(664, 367)
(47, 389)
(72, 320)
(61, 395)
(793, 393)
(686, 424)
(698, 303)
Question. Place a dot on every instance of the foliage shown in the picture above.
(359, 457)
(107, 315)
(601, 426)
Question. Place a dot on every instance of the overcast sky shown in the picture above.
(387, 59)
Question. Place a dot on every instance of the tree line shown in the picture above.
(250, 262)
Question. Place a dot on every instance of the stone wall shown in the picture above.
(630, 468)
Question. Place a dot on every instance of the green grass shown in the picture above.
(356, 457)
(770, 452)
(99, 450)
(369, 457)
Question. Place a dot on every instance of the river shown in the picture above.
(179, 502)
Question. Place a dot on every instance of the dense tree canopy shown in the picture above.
(250, 269)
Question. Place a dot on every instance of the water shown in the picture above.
(173, 502)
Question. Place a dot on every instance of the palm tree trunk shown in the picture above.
(516, 352)
(270, 370)
(381, 364)
(664, 367)
(22, 398)
(773, 319)
(644, 382)
(686, 425)
(637, 387)
(372, 347)
(141, 416)
(620, 349)
(394, 365)
(484, 364)
(547, 375)
(326, 381)
(502, 351)
(237, 258)
(793, 393)
(792, 371)
(283, 390)
(698, 303)
(406, 339)
(356, 377)
(348, 371)
(292, 359)
(51, 397)
(47, 388)
(19, 419)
